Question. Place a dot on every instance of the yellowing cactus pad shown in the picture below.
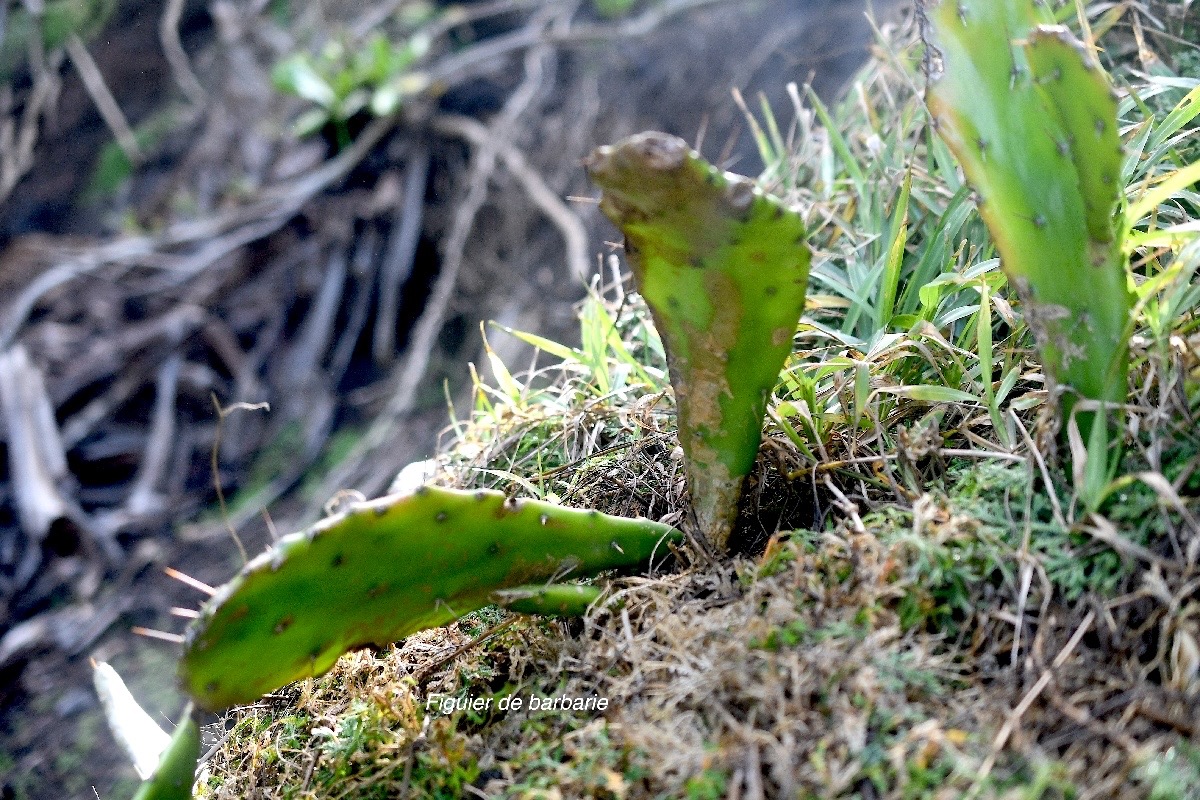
(724, 270)
(386, 569)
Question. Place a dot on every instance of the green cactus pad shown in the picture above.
(553, 600)
(177, 768)
(1076, 90)
(1032, 118)
(385, 569)
(724, 270)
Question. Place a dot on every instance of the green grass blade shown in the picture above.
(849, 162)
(1179, 179)
(542, 343)
(898, 238)
(931, 394)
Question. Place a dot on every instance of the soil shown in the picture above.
(216, 271)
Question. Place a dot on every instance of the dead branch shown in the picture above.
(18, 138)
(106, 104)
(181, 67)
(36, 457)
(402, 249)
(574, 235)
(424, 333)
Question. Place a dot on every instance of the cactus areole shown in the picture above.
(386, 569)
(1032, 118)
(724, 270)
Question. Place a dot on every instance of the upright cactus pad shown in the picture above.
(724, 270)
(386, 569)
(1033, 120)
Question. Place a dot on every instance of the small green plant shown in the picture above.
(1173, 775)
(708, 785)
(343, 81)
(724, 270)
(605, 364)
(113, 166)
(1032, 118)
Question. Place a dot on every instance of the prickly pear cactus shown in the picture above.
(385, 569)
(724, 269)
(1033, 120)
